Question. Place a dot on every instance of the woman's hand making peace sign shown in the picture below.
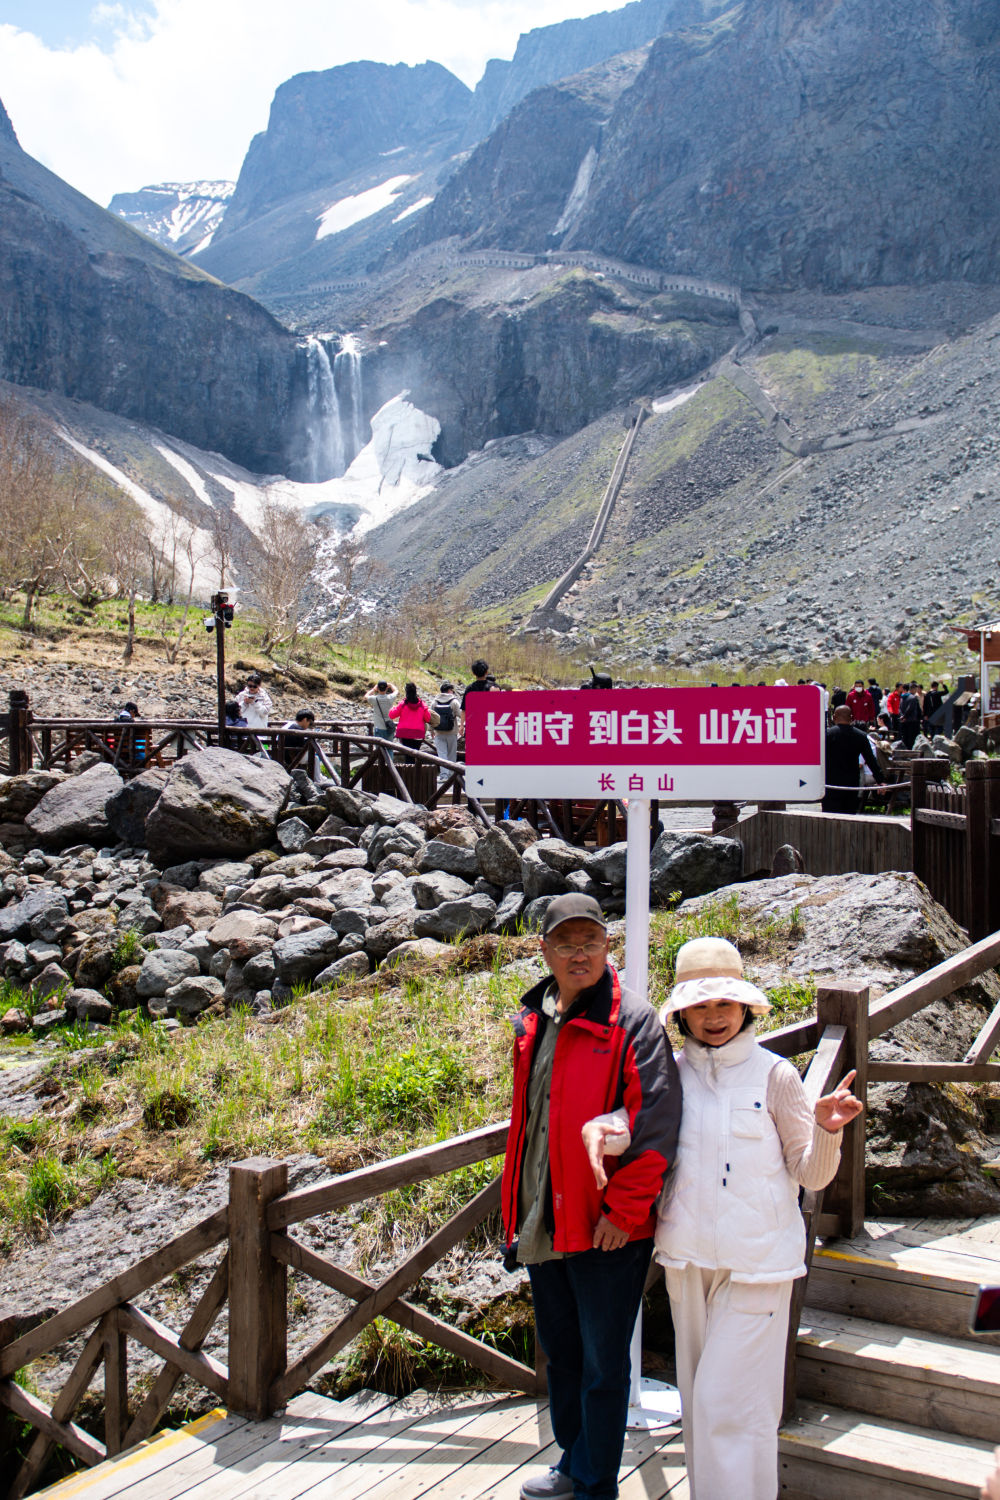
(838, 1109)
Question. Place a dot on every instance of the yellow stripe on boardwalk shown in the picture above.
(76, 1484)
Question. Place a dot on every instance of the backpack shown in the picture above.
(445, 710)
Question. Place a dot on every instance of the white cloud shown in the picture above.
(177, 95)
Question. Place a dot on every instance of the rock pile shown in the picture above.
(228, 881)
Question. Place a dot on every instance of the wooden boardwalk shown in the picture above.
(905, 1408)
(369, 1447)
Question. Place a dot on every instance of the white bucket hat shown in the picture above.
(712, 969)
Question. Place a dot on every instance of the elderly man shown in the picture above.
(582, 1049)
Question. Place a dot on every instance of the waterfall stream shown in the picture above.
(334, 421)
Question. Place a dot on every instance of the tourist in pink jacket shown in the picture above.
(412, 717)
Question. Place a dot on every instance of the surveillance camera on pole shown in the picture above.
(220, 621)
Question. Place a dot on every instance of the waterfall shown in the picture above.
(347, 381)
(333, 421)
(324, 457)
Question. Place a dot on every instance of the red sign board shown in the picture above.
(674, 744)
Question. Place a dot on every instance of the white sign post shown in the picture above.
(671, 744)
(652, 1404)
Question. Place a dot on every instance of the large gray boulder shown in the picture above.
(436, 887)
(608, 865)
(559, 856)
(40, 913)
(163, 969)
(456, 918)
(304, 954)
(498, 860)
(382, 937)
(693, 864)
(454, 860)
(19, 794)
(129, 808)
(217, 802)
(538, 877)
(75, 811)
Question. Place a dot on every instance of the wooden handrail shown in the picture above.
(398, 1171)
(121, 1288)
(946, 977)
(461, 1224)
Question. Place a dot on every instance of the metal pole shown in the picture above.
(637, 900)
(652, 1404)
(220, 665)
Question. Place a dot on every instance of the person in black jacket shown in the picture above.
(844, 744)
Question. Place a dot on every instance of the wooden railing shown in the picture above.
(844, 1026)
(257, 1224)
(335, 751)
(251, 1275)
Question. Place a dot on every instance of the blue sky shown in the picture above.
(115, 94)
(67, 23)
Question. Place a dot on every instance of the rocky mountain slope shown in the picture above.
(828, 144)
(90, 308)
(183, 216)
(726, 546)
(350, 154)
(332, 138)
(548, 53)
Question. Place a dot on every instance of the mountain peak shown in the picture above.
(7, 131)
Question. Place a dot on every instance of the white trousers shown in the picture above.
(730, 1339)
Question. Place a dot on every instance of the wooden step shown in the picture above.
(945, 1385)
(829, 1454)
(922, 1286)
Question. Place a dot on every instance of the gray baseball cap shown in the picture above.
(565, 908)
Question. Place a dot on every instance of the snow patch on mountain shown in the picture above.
(414, 208)
(348, 211)
(183, 216)
(194, 544)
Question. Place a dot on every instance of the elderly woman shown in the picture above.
(729, 1232)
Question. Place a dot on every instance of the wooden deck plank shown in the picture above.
(509, 1487)
(356, 1460)
(884, 1450)
(934, 1267)
(662, 1472)
(155, 1455)
(465, 1463)
(166, 1468)
(896, 1350)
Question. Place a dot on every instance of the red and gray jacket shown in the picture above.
(611, 1053)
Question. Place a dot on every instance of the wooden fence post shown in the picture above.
(846, 1004)
(20, 735)
(921, 772)
(982, 850)
(258, 1312)
(115, 1383)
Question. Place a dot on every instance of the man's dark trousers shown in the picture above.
(585, 1310)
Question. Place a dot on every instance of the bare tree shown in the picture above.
(432, 613)
(130, 549)
(185, 553)
(224, 528)
(278, 566)
(89, 505)
(352, 571)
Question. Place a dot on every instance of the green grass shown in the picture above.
(367, 1071)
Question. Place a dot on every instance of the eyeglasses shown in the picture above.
(567, 950)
